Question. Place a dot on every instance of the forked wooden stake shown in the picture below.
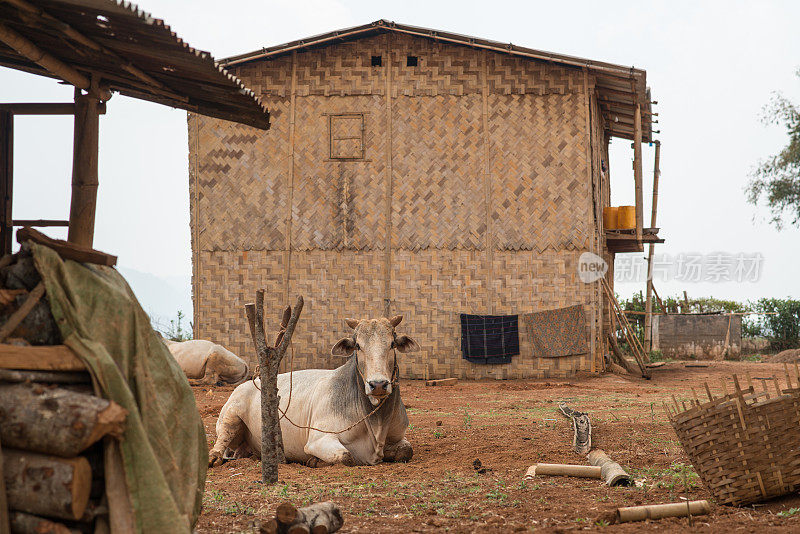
(269, 360)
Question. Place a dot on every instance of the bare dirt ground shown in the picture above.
(508, 425)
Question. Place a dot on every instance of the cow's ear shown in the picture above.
(394, 321)
(344, 347)
(352, 323)
(406, 344)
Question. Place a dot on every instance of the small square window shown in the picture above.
(346, 133)
(377, 61)
(411, 61)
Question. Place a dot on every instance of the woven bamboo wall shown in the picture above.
(488, 163)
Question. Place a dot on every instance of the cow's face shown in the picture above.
(374, 339)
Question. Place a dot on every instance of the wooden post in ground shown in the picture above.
(84, 169)
(648, 304)
(637, 169)
(4, 526)
(269, 360)
(6, 179)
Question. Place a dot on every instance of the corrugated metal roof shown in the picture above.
(129, 51)
(619, 87)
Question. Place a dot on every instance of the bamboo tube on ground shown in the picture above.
(611, 471)
(56, 421)
(661, 511)
(47, 485)
(584, 471)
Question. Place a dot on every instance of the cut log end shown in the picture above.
(47, 485)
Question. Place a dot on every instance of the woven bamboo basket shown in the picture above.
(745, 445)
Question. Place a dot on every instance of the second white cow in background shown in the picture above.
(207, 363)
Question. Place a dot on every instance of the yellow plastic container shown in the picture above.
(626, 217)
(610, 216)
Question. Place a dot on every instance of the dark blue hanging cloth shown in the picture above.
(489, 339)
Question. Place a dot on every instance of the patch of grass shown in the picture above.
(758, 358)
(237, 508)
(467, 419)
(437, 434)
(789, 513)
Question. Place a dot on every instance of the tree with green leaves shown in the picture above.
(777, 179)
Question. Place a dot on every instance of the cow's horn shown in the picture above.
(352, 323)
(394, 321)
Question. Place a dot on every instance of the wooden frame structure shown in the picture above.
(99, 47)
(78, 41)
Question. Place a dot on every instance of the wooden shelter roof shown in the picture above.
(124, 49)
(619, 87)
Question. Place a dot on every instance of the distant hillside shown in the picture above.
(161, 297)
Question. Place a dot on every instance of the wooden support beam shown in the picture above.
(648, 304)
(6, 179)
(29, 50)
(637, 170)
(84, 170)
(39, 223)
(44, 108)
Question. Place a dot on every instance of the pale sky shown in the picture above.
(711, 66)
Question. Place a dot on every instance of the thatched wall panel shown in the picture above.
(516, 75)
(541, 198)
(338, 204)
(442, 68)
(438, 200)
(342, 70)
(242, 175)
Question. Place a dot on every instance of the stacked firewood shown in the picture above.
(318, 518)
(51, 423)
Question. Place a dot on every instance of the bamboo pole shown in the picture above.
(637, 169)
(648, 304)
(661, 511)
(584, 471)
(84, 170)
(51, 63)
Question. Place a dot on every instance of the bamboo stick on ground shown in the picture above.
(56, 421)
(584, 471)
(47, 485)
(661, 511)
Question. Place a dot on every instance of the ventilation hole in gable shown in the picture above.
(411, 61)
(377, 61)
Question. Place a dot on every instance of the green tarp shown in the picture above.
(164, 448)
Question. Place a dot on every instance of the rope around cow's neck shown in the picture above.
(394, 381)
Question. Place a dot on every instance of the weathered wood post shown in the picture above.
(84, 169)
(269, 360)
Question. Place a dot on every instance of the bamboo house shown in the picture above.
(418, 172)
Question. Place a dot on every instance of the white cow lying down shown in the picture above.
(207, 362)
(330, 400)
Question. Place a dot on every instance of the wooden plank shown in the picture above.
(442, 382)
(40, 223)
(6, 179)
(84, 171)
(44, 108)
(65, 249)
(40, 358)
